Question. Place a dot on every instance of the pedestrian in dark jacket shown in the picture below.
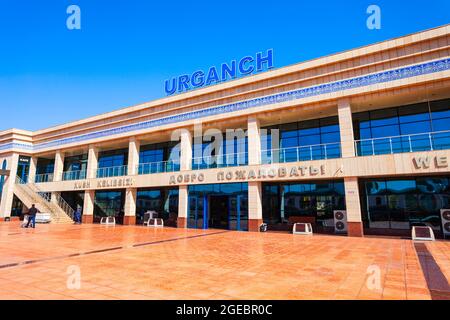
(77, 215)
(32, 216)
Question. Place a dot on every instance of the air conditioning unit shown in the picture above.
(340, 221)
(445, 218)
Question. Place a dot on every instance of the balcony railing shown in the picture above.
(112, 172)
(42, 178)
(302, 153)
(402, 144)
(158, 167)
(220, 161)
(74, 175)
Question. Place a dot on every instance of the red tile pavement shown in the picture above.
(145, 263)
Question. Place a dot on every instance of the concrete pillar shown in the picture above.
(88, 206)
(255, 216)
(352, 200)
(33, 168)
(186, 150)
(59, 166)
(130, 206)
(8, 186)
(254, 141)
(92, 164)
(346, 129)
(133, 156)
(183, 206)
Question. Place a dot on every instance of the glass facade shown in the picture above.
(109, 204)
(233, 153)
(312, 202)
(44, 170)
(164, 201)
(75, 167)
(220, 206)
(402, 203)
(160, 157)
(112, 163)
(302, 141)
(413, 122)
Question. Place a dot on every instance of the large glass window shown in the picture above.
(112, 163)
(44, 170)
(232, 152)
(109, 204)
(221, 206)
(163, 201)
(75, 167)
(403, 129)
(302, 141)
(160, 157)
(287, 203)
(401, 203)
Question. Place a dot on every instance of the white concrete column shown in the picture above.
(133, 156)
(88, 206)
(130, 206)
(183, 206)
(59, 166)
(255, 216)
(8, 186)
(352, 200)
(33, 168)
(92, 164)
(186, 150)
(346, 129)
(254, 141)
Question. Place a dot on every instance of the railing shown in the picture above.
(158, 167)
(302, 153)
(220, 161)
(112, 172)
(36, 194)
(74, 175)
(402, 144)
(42, 178)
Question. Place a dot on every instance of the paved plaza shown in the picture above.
(133, 262)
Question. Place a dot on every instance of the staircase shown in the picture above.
(30, 194)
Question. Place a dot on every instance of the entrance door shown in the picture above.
(218, 212)
(23, 168)
(198, 207)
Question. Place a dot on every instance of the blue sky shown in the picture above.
(126, 49)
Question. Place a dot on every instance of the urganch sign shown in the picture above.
(245, 66)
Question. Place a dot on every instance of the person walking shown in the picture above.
(77, 215)
(32, 216)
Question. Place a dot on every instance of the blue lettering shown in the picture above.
(261, 61)
(227, 71)
(242, 65)
(183, 83)
(198, 79)
(212, 76)
(170, 91)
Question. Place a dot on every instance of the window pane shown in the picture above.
(401, 186)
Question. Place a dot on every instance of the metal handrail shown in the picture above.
(161, 166)
(406, 141)
(117, 171)
(46, 196)
(74, 175)
(268, 154)
(45, 177)
(211, 161)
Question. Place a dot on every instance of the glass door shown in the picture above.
(198, 212)
(23, 168)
